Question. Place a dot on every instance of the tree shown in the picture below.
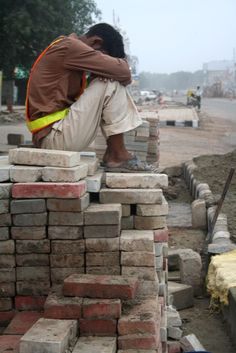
(28, 26)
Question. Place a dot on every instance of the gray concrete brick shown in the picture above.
(5, 173)
(49, 336)
(65, 174)
(28, 233)
(136, 240)
(5, 220)
(67, 260)
(94, 182)
(7, 247)
(102, 214)
(7, 275)
(68, 205)
(142, 273)
(102, 245)
(138, 258)
(43, 157)
(103, 258)
(65, 232)
(59, 274)
(4, 206)
(65, 218)
(30, 219)
(131, 196)
(28, 206)
(95, 345)
(153, 210)
(5, 190)
(33, 273)
(33, 246)
(32, 260)
(126, 210)
(107, 231)
(127, 222)
(101, 270)
(136, 180)
(156, 222)
(7, 289)
(4, 233)
(6, 304)
(25, 174)
(33, 288)
(7, 261)
(67, 246)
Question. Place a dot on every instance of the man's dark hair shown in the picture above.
(112, 40)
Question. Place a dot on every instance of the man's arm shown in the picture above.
(82, 57)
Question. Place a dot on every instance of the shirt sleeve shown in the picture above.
(84, 58)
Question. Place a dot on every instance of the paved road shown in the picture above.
(220, 107)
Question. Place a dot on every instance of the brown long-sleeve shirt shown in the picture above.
(56, 80)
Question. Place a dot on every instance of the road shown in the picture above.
(220, 107)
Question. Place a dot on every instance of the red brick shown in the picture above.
(101, 309)
(98, 327)
(140, 317)
(161, 235)
(9, 343)
(49, 190)
(29, 303)
(6, 317)
(22, 322)
(98, 286)
(173, 347)
(59, 307)
(138, 341)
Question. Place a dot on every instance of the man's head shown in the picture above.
(105, 38)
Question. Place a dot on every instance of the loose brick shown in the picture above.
(94, 182)
(5, 304)
(68, 205)
(143, 273)
(161, 235)
(136, 180)
(103, 258)
(32, 288)
(5, 220)
(33, 273)
(67, 260)
(22, 322)
(155, 222)
(24, 303)
(49, 190)
(138, 341)
(30, 219)
(10, 343)
(4, 206)
(5, 190)
(138, 258)
(73, 174)
(136, 240)
(43, 157)
(131, 196)
(65, 218)
(140, 317)
(102, 245)
(28, 206)
(101, 309)
(65, 232)
(7, 275)
(102, 214)
(59, 274)
(98, 327)
(7, 261)
(28, 233)
(7, 289)
(4, 233)
(106, 287)
(67, 246)
(95, 344)
(7, 247)
(108, 231)
(25, 174)
(101, 270)
(57, 336)
(59, 307)
(33, 246)
(153, 210)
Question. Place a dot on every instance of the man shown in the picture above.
(198, 95)
(63, 115)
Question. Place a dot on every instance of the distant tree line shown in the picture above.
(180, 80)
(28, 26)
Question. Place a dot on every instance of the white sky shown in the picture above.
(173, 35)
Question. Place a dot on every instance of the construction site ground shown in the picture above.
(215, 137)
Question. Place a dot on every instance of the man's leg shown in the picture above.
(103, 103)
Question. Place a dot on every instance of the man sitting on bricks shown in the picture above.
(78, 84)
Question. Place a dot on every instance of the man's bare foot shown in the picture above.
(116, 153)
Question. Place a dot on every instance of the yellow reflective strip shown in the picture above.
(40, 123)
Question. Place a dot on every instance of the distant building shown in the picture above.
(222, 71)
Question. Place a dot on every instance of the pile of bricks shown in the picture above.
(52, 234)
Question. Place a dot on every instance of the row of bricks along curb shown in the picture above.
(51, 231)
(203, 210)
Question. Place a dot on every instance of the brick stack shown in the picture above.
(153, 151)
(143, 204)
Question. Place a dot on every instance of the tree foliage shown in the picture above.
(28, 26)
(177, 80)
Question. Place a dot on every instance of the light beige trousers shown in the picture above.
(105, 104)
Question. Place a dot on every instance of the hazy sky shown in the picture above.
(173, 35)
